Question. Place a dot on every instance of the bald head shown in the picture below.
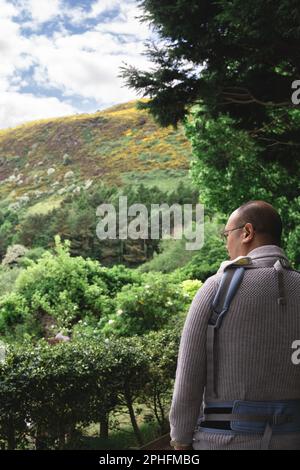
(252, 225)
(264, 218)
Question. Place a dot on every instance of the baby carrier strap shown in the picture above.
(229, 284)
(231, 280)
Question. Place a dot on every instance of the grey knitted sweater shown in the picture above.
(253, 353)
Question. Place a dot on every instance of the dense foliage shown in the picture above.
(226, 69)
(46, 391)
(119, 322)
(235, 57)
(75, 220)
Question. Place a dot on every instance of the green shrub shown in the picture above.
(207, 260)
(145, 307)
(191, 287)
(64, 287)
(8, 278)
(173, 255)
(47, 390)
(13, 311)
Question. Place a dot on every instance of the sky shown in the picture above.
(62, 57)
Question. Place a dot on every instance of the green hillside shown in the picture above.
(43, 161)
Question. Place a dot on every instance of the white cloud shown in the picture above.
(98, 7)
(126, 23)
(40, 11)
(44, 10)
(78, 67)
(7, 10)
(16, 108)
(14, 52)
(87, 64)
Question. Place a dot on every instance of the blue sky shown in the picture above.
(61, 57)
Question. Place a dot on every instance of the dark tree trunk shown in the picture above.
(71, 434)
(104, 422)
(40, 438)
(61, 437)
(11, 436)
(135, 427)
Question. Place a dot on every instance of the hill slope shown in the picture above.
(42, 161)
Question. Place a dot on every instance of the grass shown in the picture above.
(122, 435)
(166, 180)
(43, 207)
(119, 440)
(116, 145)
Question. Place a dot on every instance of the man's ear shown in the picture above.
(249, 231)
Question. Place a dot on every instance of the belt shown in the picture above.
(217, 423)
(253, 417)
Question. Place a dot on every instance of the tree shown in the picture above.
(230, 169)
(8, 221)
(226, 69)
(233, 56)
(34, 230)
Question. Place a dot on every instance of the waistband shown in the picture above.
(252, 416)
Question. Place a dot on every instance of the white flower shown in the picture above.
(69, 174)
(88, 184)
(147, 286)
(111, 321)
(120, 311)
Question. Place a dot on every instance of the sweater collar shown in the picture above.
(264, 251)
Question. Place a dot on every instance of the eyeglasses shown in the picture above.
(225, 233)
